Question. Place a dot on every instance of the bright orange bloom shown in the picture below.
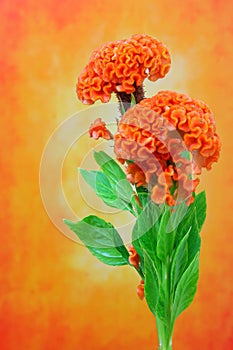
(98, 129)
(140, 290)
(169, 137)
(121, 66)
(134, 258)
(194, 121)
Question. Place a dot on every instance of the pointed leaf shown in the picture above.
(165, 238)
(104, 189)
(179, 262)
(186, 289)
(144, 235)
(194, 239)
(151, 283)
(101, 238)
(116, 177)
(186, 217)
(109, 166)
(161, 307)
(200, 204)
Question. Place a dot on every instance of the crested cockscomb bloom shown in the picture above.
(121, 67)
(170, 138)
(98, 129)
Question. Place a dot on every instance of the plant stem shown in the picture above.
(165, 329)
(164, 335)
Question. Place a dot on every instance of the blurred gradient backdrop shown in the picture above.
(53, 293)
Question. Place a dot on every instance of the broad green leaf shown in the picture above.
(151, 283)
(101, 238)
(109, 166)
(116, 177)
(179, 262)
(99, 183)
(177, 215)
(186, 289)
(194, 215)
(144, 235)
(104, 189)
(194, 239)
(165, 240)
(189, 224)
(200, 204)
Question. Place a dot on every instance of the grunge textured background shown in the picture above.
(53, 293)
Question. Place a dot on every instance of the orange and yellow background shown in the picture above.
(53, 293)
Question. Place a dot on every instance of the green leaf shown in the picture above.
(194, 239)
(104, 189)
(117, 178)
(186, 288)
(112, 170)
(133, 101)
(151, 283)
(165, 237)
(162, 307)
(200, 204)
(143, 195)
(99, 183)
(101, 238)
(177, 215)
(191, 220)
(144, 235)
(179, 262)
(194, 215)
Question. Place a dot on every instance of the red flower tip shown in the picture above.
(134, 258)
(140, 290)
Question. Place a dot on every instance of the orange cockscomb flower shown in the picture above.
(193, 120)
(169, 137)
(98, 129)
(121, 67)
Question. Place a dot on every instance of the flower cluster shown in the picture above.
(121, 66)
(163, 141)
(169, 138)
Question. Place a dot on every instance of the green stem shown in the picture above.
(165, 329)
(164, 335)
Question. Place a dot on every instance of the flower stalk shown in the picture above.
(162, 143)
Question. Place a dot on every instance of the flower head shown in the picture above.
(170, 138)
(98, 129)
(121, 66)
